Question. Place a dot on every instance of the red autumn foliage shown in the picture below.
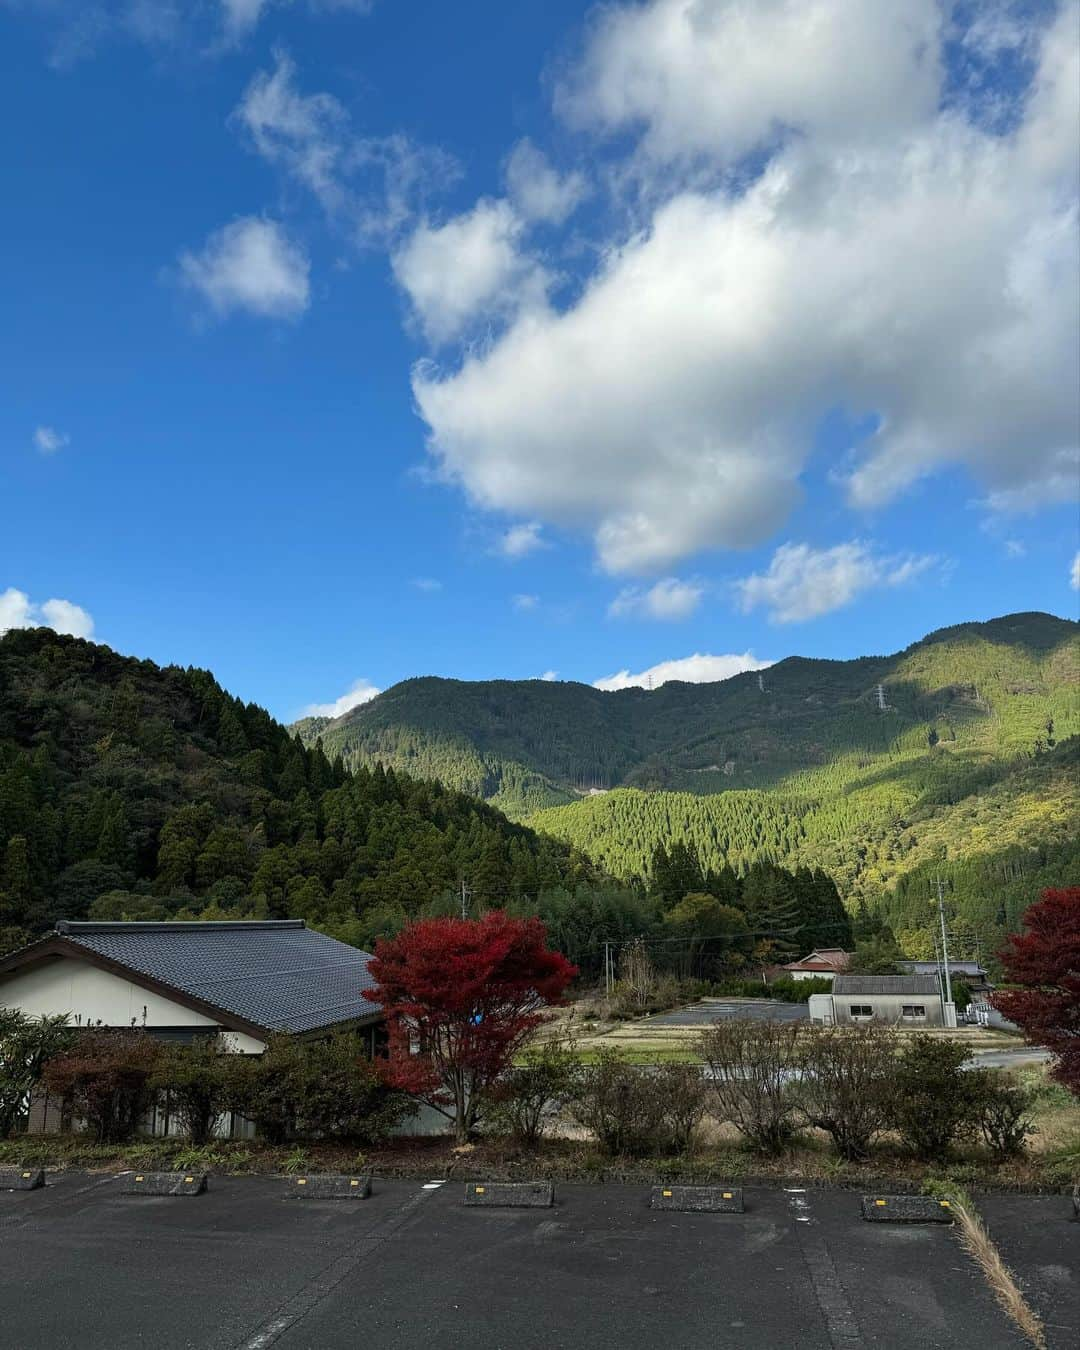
(1044, 961)
(462, 996)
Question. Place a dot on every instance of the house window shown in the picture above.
(914, 1011)
(861, 1011)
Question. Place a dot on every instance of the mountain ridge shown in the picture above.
(577, 738)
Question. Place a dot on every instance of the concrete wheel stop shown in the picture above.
(905, 1209)
(698, 1199)
(510, 1194)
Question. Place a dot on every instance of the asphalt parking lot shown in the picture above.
(244, 1268)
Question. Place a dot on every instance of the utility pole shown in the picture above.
(609, 968)
(464, 899)
(944, 942)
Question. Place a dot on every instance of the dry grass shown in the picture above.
(978, 1244)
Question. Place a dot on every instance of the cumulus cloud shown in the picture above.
(251, 264)
(550, 676)
(470, 268)
(803, 583)
(537, 189)
(1014, 549)
(363, 691)
(721, 78)
(18, 611)
(520, 540)
(894, 257)
(696, 669)
(524, 603)
(1074, 573)
(47, 440)
(669, 598)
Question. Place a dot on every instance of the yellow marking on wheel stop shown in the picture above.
(189, 1178)
(879, 1202)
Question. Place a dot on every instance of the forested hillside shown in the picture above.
(130, 791)
(988, 694)
(957, 756)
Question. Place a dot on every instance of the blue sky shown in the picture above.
(344, 342)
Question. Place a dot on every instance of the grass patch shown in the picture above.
(978, 1244)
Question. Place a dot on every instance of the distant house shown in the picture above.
(240, 982)
(888, 1000)
(971, 972)
(822, 964)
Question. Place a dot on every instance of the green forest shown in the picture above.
(956, 758)
(825, 793)
(133, 792)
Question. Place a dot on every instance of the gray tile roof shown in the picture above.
(885, 984)
(279, 975)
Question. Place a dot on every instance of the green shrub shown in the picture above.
(929, 1099)
(1001, 1111)
(26, 1043)
(199, 1081)
(316, 1089)
(541, 1084)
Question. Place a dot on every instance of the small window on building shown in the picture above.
(862, 1010)
(914, 1011)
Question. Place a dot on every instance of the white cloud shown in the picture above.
(427, 584)
(524, 603)
(550, 676)
(67, 618)
(895, 259)
(669, 598)
(1074, 574)
(803, 583)
(471, 268)
(696, 669)
(1014, 549)
(721, 78)
(372, 186)
(48, 440)
(250, 264)
(520, 540)
(240, 16)
(18, 611)
(537, 189)
(363, 691)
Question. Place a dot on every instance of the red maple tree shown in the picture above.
(1044, 963)
(461, 997)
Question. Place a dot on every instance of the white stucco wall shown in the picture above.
(88, 994)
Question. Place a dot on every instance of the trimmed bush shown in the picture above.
(930, 1101)
(200, 1082)
(315, 1089)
